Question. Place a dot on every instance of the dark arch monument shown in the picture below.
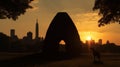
(62, 28)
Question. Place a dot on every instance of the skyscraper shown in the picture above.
(37, 30)
(12, 35)
(12, 32)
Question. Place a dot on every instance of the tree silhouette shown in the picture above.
(4, 41)
(11, 9)
(110, 11)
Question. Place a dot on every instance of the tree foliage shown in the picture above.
(11, 9)
(109, 10)
(4, 41)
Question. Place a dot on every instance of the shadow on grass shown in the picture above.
(98, 62)
(38, 58)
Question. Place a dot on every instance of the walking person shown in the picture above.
(96, 55)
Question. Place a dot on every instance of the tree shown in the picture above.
(11, 9)
(4, 41)
(109, 10)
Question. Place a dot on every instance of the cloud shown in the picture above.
(86, 17)
(36, 1)
(74, 6)
(112, 28)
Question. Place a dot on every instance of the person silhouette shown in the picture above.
(96, 55)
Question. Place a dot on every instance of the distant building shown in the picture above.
(12, 35)
(87, 42)
(28, 40)
(12, 32)
(92, 42)
(29, 35)
(37, 30)
(100, 41)
(107, 42)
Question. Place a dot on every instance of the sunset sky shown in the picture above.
(79, 10)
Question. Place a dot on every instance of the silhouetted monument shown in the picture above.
(62, 28)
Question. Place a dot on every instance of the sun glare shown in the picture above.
(88, 38)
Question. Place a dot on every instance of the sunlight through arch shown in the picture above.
(62, 42)
(62, 45)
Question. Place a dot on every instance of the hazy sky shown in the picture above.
(79, 10)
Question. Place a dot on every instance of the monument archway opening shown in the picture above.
(62, 46)
(62, 42)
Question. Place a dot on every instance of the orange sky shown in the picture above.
(79, 10)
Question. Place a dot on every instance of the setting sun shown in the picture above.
(88, 38)
(88, 35)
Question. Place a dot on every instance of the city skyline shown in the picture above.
(80, 12)
(30, 34)
(36, 36)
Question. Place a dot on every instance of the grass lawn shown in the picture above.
(109, 60)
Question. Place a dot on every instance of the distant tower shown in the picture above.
(12, 33)
(37, 30)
